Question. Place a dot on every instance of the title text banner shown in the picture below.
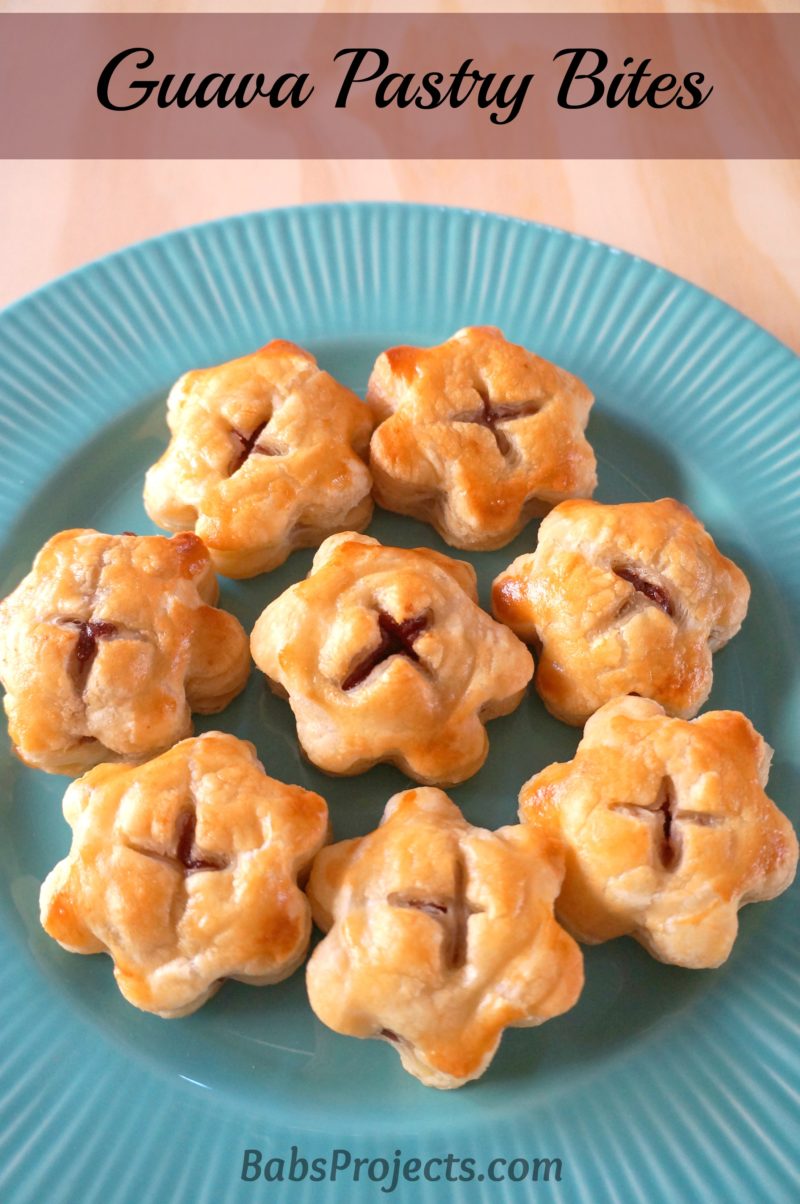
(372, 86)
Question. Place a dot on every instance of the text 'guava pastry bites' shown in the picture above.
(477, 436)
(628, 599)
(667, 830)
(385, 655)
(110, 643)
(184, 870)
(267, 455)
(440, 936)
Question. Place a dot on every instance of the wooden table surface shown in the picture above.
(730, 226)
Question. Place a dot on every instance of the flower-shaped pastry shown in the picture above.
(185, 870)
(441, 936)
(477, 436)
(110, 643)
(629, 599)
(267, 455)
(385, 655)
(667, 828)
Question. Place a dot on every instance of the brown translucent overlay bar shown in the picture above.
(399, 86)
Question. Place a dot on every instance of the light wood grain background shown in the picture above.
(730, 226)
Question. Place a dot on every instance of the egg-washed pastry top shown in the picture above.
(440, 936)
(385, 655)
(108, 645)
(267, 455)
(185, 871)
(477, 435)
(626, 599)
(667, 829)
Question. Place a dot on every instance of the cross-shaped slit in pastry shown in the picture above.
(649, 589)
(187, 858)
(249, 446)
(396, 639)
(490, 415)
(84, 653)
(665, 804)
(453, 913)
(86, 646)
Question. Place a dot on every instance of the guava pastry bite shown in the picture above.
(477, 436)
(628, 599)
(268, 454)
(110, 643)
(385, 655)
(667, 829)
(440, 936)
(185, 871)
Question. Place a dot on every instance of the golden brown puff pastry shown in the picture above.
(110, 643)
(267, 455)
(441, 936)
(385, 655)
(629, 599)
(184, 870)
(667, 828)
(477, 436)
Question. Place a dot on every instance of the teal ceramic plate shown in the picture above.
(662, 1084)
